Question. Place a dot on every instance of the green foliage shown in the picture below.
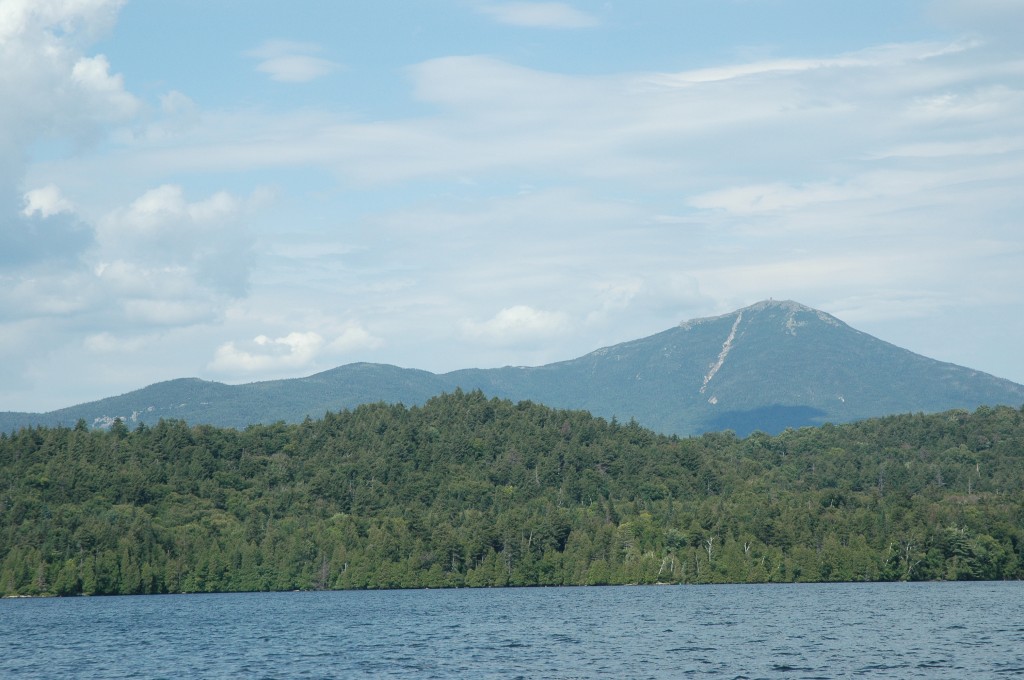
(470, 491)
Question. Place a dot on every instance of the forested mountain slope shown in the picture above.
(470, 491)
(766, 367)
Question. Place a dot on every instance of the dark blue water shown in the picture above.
(930, 630)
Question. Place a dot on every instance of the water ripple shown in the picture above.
(741, 632)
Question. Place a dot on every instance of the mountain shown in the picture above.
(237, 406)
(769, 366)
(772, 365)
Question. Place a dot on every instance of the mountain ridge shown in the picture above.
(768, 366)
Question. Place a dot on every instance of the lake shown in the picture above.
(876, 630)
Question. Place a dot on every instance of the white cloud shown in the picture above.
(1004, 18)
(874, 275)
(517, 324)
(46, 202)
(78, 20)
(122, 279)
(163, 237)
(614, 297)
(149, 313)
(108, 343)
(978, 147)
(875, 57)
(806, 276)
(354, 337)
(496, 117)
(176, 103)
(292, 62)
(295, 351)
(292, 351)
(111, 101)
(859, 194)
(981, 104)
(296, 68)
(538, 14)
(38, 293)
(57, 89)
(51, 91)
(159, 263)
(164, 209)
(889, 304)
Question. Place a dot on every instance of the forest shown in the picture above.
(467, 491)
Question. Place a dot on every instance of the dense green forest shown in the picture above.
(467, 491)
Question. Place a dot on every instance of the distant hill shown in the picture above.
(769, 366)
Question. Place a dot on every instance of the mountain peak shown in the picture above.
(772, 303)
(790, 307)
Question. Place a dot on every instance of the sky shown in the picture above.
(243, 190)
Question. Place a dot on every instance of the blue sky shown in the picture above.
(242, 191)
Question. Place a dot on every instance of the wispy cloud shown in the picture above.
(538, 14)
(874, 57)
(292, 62)
(496, 116)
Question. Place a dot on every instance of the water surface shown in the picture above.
(891, 630)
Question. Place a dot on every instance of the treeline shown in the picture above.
(467, 491)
